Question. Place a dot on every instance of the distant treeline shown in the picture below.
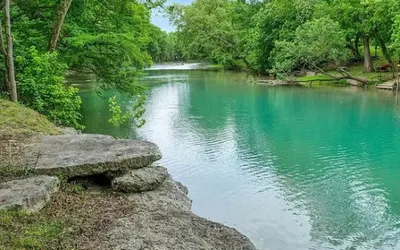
(273, 36)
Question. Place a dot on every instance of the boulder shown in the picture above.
(28, 195)
(86, 154)
(140, 180)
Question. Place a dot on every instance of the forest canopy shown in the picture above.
(284, 35)
(112, 40)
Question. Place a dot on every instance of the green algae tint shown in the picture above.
(291, 168)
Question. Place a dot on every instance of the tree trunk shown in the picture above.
(368, 67)
(353, 50)
(353, 47)
(344, 76)
(356, 42)
(385, 51)
(4, 52)
(10, 54)
(59, 24)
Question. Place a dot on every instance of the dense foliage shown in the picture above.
(41, 87)
(113, 40)
(285, 35)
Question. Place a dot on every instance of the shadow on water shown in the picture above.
(292, 168)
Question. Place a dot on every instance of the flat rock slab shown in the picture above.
(140, 180)
(85, 155)
(28, 195)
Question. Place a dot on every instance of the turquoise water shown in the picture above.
(291, 168)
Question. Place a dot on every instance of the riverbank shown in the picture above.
(380, 80)
(105, 193)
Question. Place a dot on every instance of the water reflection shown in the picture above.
(290, 168)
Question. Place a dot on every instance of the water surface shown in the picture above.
(291, 168)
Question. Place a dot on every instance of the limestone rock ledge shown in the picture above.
(86, 154)
(163, 220)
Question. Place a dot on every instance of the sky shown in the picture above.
(162, 22)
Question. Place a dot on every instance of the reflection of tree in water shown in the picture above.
(96, 113)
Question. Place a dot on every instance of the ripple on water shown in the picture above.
(293, 169)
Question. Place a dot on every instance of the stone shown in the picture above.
(169, 195)
(28, 195)
(140, 180)
(163, 220)
(70, 131)
(86, 154)
(182, 187)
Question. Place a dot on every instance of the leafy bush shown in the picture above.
(119, 117)
(41, 87)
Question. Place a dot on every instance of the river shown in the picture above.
(291, 168)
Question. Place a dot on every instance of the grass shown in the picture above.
(355, 70)
(377, 77)
(18, 127)
(75, 219)
(17, 121)
(22, 231)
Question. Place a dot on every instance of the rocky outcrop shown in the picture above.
(174, 230)
(140, 180)
(163, 220)
(85, 155)
(27, 195)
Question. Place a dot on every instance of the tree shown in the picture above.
(107, 39)
(368, 67)
(10, 54)
(355, 18)
(383, 15)
(207, 32)
(396, 35)
(316, 43)
(277, 20)
(58, 25)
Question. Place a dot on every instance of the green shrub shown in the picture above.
(41, 86)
